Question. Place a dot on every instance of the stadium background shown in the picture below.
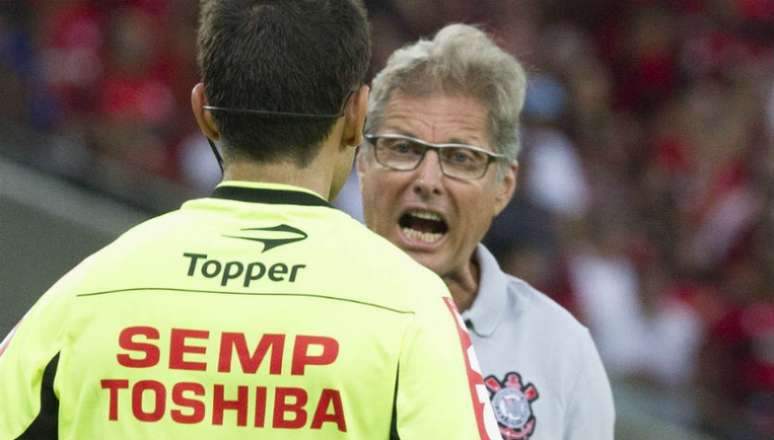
(645, 199)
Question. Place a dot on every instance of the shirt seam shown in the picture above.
(223, 292)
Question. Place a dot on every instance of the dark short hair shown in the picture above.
(299, 56)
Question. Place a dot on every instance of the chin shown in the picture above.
(429, 260)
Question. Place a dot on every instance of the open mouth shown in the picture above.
(423, 226)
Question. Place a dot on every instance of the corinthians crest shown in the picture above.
(512, 405)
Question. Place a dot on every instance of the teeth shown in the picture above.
(427, 237)
(427, 215)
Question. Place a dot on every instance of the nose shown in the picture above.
(429, 177)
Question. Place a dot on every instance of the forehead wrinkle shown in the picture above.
(410, 123)
(406, 124)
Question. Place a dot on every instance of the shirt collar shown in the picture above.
(488, 308)
(274, 193)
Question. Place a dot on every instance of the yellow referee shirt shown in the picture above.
(259, 312)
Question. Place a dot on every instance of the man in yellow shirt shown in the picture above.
(261, 310)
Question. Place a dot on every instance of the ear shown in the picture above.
(506, 186)
(203, 117)
(354, 116)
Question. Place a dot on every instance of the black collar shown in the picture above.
(265, 195)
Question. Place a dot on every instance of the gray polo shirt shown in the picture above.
(541, 367)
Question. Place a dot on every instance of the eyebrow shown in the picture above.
(454, 140)
(462, 142)
(402, 132)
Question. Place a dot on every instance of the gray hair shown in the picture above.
(459, 60)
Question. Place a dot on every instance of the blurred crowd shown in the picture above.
(646, 199)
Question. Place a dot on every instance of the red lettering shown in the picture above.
(260, 406)
(158, 406)
(250, 363)
(321, 414)
(178, 349)
(127, 342)
(190, 403)
(281, 406)
(220, 404)
(113, 386)
(196, 406)
(302, 357)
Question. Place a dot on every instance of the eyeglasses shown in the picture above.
(459, 161)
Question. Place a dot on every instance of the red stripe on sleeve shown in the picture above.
(475, 378)
(7, 341)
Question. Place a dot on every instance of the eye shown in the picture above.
(462, 156)
(402, 146)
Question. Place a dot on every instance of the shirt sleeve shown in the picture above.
(29, 357)
(591, 413)
(440, 392)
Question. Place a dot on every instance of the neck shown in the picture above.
(318, 175)
(463, 285)
(315, 177)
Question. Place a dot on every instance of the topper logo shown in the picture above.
(244, 271)
(274, 236)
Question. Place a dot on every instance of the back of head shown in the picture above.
(292, 56)
(459, 60)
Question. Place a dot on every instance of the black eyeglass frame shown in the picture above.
(491, 157)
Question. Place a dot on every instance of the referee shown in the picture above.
(260, 311)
